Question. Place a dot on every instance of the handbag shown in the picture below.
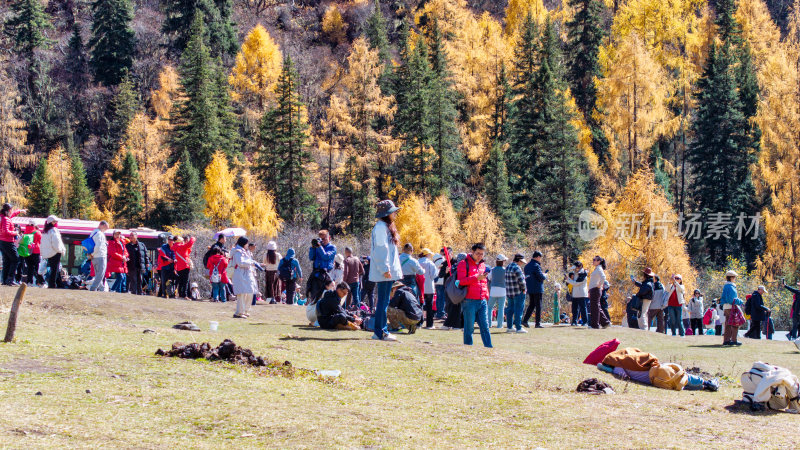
(456, 293)
(736, 317)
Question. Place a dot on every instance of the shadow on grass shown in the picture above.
(710, 346)
(740, 407)
(309, 338)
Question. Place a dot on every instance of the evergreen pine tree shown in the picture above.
(219, 29)
(123, 108)
(413, 120)
(722, 152)
(77, 65)
(500, 109)
(186, 202)
(113, 42)
(585, 34)
(375, 29)
(521, 157)
(27, 26)
(284, 155)
(198, 126)
(444, 136)
(356, 194)
(42, 197)
(43, 112)
(496, 188)
(80, 199)
(128, 202)
(561, 181)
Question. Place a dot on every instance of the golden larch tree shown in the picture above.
(481, 225)
(256, 213)
(447, 224)
(256, 71)
(333, 25)
(416, 225)
(517, 10)
(222, 200)
(59, 164)
(642, 232)
(14, 153)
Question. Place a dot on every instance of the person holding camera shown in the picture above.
(321, 254)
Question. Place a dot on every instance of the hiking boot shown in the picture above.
(711, 385)
(522, 330)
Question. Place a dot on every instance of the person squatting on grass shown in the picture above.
(472, 273)
(330, 314)
(404, 308)
(385, 266)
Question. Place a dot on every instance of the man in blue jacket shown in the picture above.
(321, 255)
(534, 281)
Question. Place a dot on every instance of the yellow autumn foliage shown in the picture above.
(481, 225)
(256, 71)
(59, 164)
(518, 10)
(642, 232)
(221, 197)
(333, 25)
(447, 223)
(256, 213)
(416, 225)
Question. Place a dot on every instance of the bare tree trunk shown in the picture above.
(12, 316)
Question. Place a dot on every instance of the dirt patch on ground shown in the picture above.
(26, 366)
(229, 352)
(700, 372)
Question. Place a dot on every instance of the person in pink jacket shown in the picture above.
(183, 264)
(472, 274)
(8, 235)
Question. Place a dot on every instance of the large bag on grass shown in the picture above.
(311, 311)
(777, 388)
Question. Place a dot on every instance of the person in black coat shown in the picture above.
(138, 262)
(367, 287)
(758, 312)
(404, 308)
(634, 306)
(331, 315)
(794, 312)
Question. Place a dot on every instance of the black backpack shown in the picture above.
(285, 269)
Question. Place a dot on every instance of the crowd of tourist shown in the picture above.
(393, 287)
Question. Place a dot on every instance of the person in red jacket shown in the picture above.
(8, 235)
(217, 261)
(471, 273)
(32, 260)
(118, 262)
(183, 263)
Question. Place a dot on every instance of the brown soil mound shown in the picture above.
(228, 351)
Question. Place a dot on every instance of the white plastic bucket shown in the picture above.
(212, 325)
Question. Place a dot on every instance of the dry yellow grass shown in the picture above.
(426, 391)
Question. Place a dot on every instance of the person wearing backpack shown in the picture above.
(730, 300)
(98, 253)
(758, 313)
(471, 273)
(290, 274)
(218, 274)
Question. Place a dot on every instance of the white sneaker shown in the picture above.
(510, 330)
(447, 328)
(522, 330)
(389, 337)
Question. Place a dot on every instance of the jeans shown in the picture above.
(218, 292)
(54, 278)
(579, 311)
(534, 305)
(355, 293)
(99, 265)
(674, 313)
(695, 383)
(384, 291)
(500, 302)
(10, 260)
(119, 283)
(514, 309)
(411, 281)
(440, 301)
(476, 310)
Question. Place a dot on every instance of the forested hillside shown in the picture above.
(487, 120)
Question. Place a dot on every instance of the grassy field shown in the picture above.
(102, 386)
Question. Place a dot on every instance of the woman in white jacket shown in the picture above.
(580, 292)
(51, 249)
(243, 279)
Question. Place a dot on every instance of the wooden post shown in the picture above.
(12, 316)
